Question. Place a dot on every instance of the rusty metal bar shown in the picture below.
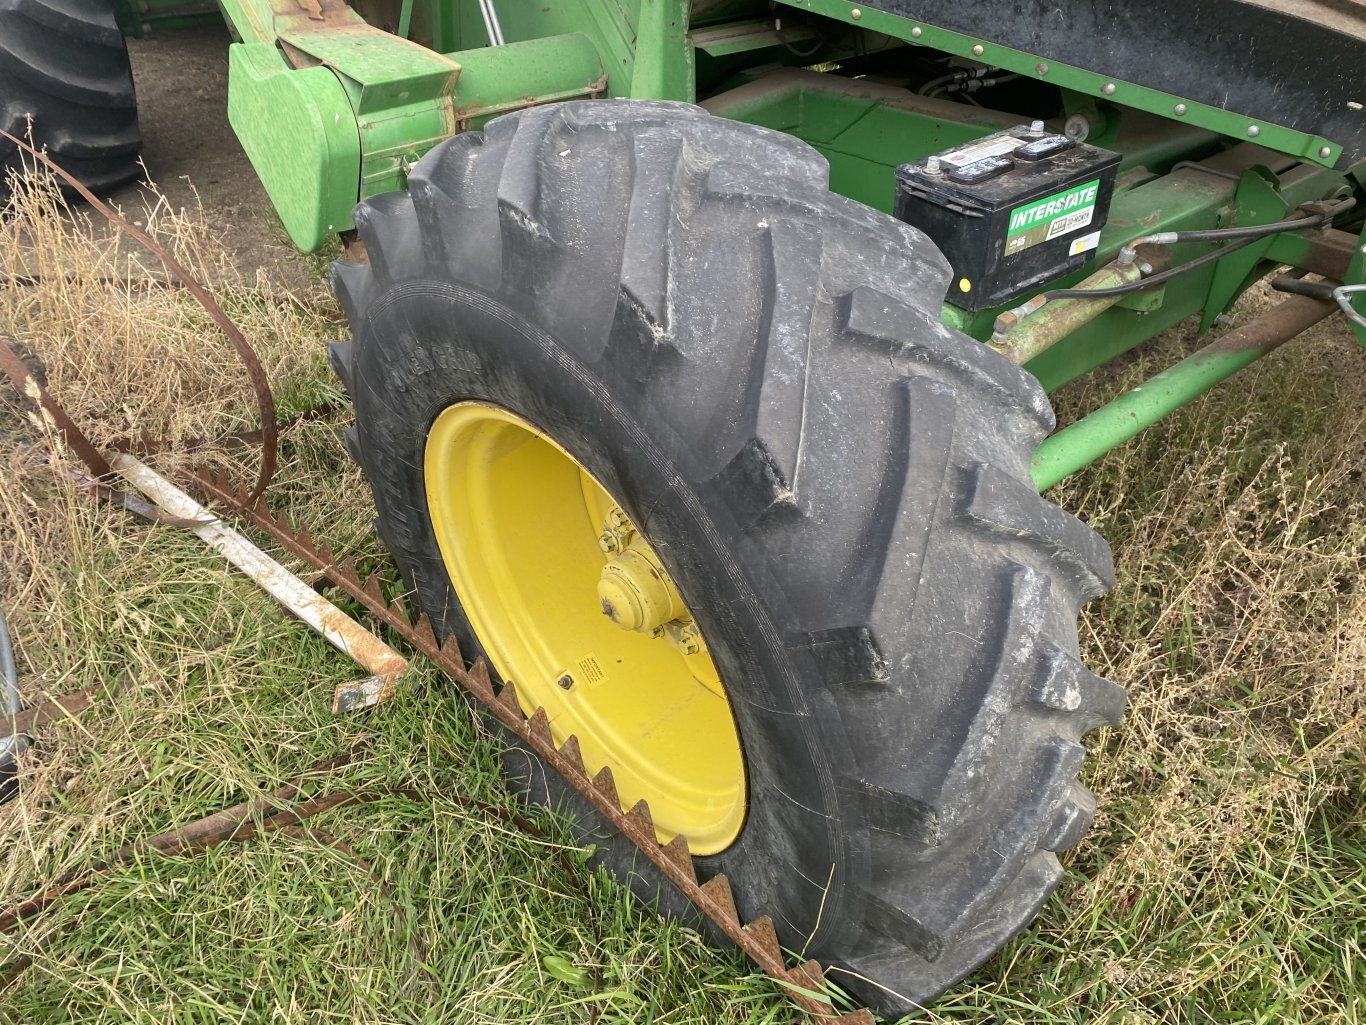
(1085, 441)
(713, 897)
(343, 632)
(1024, 332)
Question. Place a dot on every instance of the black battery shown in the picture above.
(1011, 211)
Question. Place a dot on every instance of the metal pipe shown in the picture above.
(491, 27)
(496, 79)
(1342, 295)
(1024, 332)
(1085, 441)
(341, 631)
(10, 706)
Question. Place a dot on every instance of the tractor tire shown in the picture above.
(64, 68)
(838, 484)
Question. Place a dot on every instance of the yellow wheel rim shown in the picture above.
(572, 605)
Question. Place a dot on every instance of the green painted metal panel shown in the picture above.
(495, 80)
(135, 17)
(399, 92)
(396, 99)
(300, 134)
(664, 66)
(1283, 140)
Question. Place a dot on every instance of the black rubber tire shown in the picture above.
(838, 483)
(64, 63)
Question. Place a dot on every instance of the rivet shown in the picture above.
(1325, 151)
(1253, 131)
(1179, 110)
(1108, 88)
(977, 50)
(1040, 69)
(916, 32)
(856, 14)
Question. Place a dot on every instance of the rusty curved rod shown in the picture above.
(260, 384)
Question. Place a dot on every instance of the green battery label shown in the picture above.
(1051, 217)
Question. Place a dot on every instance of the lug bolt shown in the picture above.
(684, 636)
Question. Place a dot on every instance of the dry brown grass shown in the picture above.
(1222, 882)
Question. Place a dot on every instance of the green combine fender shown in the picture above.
(331, 110)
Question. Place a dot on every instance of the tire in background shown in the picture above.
(838, 483)
(64, 65)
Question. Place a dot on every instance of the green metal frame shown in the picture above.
(1225, 122)
(137, 17)
(332, 108)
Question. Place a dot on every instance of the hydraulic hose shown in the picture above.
(1238, 238)
(1148, 282)
(1252, 231)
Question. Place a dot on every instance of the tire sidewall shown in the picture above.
(428, 344)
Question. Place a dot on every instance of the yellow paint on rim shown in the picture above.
(518, 521)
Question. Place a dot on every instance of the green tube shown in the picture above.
(1091, 437)
(496, 79)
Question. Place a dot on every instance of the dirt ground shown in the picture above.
(181, 79)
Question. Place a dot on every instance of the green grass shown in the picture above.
(1223, 881)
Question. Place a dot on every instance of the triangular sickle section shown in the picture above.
(676, 850)
(371, 588)
(640, 815)
(479, 672)
(761, 931)
(718, 889)
(398, 609)
(507, 697)
(539, 728)
(606, 784)
(570, 751)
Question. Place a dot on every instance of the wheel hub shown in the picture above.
(570, 601)
(636, 592)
